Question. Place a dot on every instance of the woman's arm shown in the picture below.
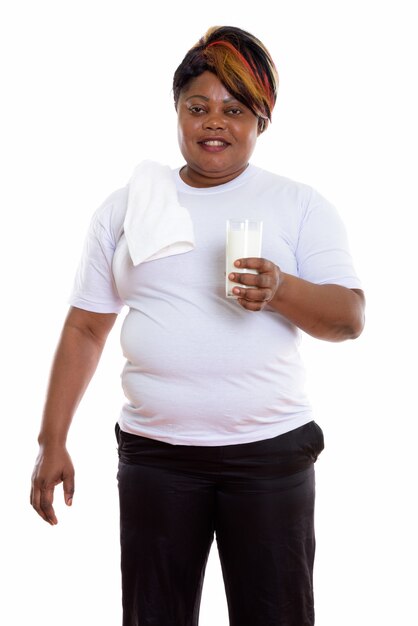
(80, 347)
(329, 312)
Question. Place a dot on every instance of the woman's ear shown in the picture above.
(262, 125)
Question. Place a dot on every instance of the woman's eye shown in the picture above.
(234, 111)
(196, 109)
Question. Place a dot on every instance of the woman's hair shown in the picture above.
(240, 61)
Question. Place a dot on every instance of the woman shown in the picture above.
(217, 437)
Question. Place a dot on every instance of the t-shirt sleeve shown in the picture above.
(94, 286)
(323, 254)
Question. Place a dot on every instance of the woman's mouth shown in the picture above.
(213, 145)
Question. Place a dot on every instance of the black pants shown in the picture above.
(257, 498)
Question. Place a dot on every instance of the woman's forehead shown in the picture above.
(208, 87)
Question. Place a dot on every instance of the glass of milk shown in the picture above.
(243, 240)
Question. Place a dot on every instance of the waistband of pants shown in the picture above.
(285, 454)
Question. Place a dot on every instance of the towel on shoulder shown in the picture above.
(155, 225)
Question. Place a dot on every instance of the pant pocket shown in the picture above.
(318, 440)
(311, 441)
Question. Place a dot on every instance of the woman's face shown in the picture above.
(217, 133)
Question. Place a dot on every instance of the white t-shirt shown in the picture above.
(200, 369)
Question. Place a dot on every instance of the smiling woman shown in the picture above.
(217, 436)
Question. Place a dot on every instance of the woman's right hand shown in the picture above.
(82, 340)
(53, 466)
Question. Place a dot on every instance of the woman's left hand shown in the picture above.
(263, 285)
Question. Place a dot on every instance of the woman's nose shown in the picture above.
(215, 121)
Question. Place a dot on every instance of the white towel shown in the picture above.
(155, 225)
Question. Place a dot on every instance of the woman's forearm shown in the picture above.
(328, 312)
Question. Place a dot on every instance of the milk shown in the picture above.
(243, 240)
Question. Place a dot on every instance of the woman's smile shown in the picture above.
(214, 145)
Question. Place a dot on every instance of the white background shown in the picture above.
(86, 95)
